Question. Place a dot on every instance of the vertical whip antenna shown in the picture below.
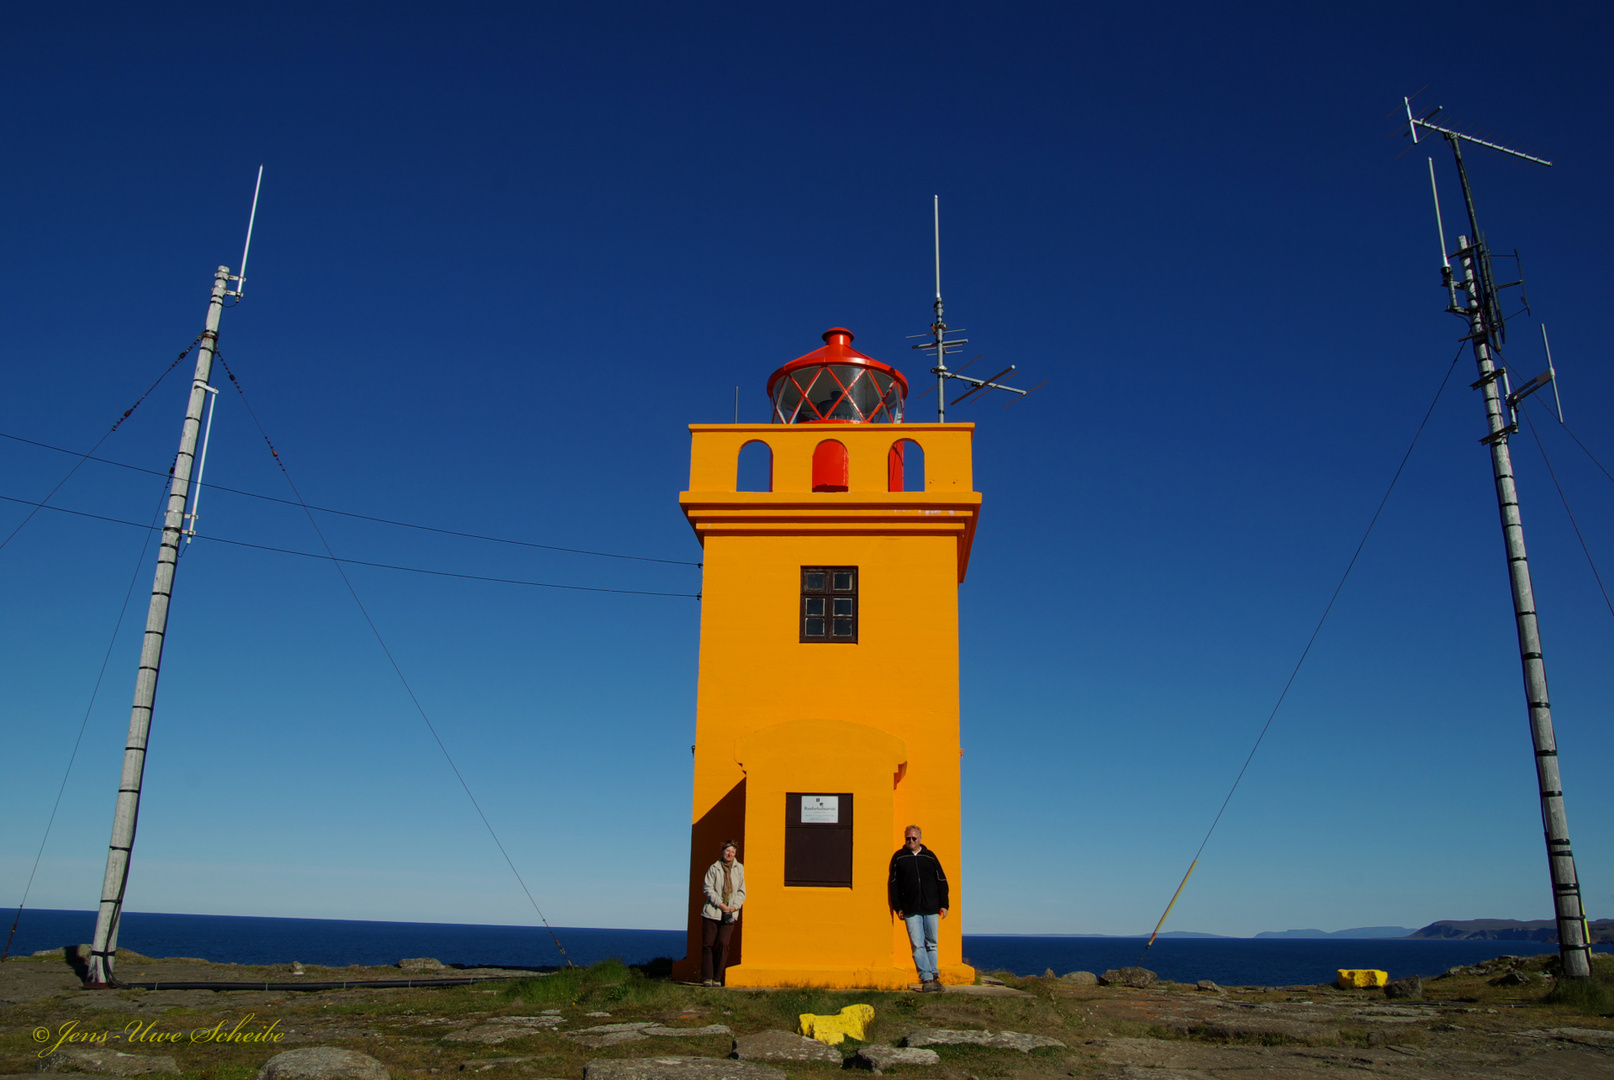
(938, 328)
(241, 278)
(1552, 373)
(940, 344)
(1440, 227)
(201, 466)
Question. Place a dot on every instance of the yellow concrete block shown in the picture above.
(853, 1020)
(1361, 978)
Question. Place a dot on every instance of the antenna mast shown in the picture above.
(940, 345)
(1481, 307)
(103, 950)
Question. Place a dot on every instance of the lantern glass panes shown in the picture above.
(845, 392)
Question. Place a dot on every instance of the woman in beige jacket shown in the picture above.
(725, 894)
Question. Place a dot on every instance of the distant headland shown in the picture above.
(1354, 932)
(1602, 930)
(1538, 930)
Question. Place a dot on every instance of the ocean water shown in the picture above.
(338, 942)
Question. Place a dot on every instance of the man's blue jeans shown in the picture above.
(922, 933)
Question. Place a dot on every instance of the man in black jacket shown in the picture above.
(917, 891)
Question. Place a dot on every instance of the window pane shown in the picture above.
(813, 581)
(866, 393)
(787, 399)
(815, 606)
(815, 628)
(843, 607)
(843, 627)
(803, 381)
(822, 392)
(843, 581)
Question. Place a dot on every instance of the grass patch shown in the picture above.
(610, 983)
(981, 1061)
(1588, 997)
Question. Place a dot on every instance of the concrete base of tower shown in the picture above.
(871, 978)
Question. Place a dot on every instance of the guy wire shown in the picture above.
(360, 517)
(1309, 643)
(421, 709)
(86, 455)
(357, 562)
(1589, 454)
(1565, 500)
(145, 544)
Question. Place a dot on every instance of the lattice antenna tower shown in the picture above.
(1480, 306)
(940, 346)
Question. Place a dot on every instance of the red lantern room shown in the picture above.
(837, 384)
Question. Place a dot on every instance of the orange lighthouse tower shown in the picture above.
(827, 712)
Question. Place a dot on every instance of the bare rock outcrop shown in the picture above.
(1001, 1040)
(1136, 977)
(96, 1059)
(782, 1046)
(322, 1063)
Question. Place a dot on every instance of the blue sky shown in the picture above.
(503, 256)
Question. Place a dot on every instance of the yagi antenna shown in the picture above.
(940, 345)
(1416, 122)
(241, 278)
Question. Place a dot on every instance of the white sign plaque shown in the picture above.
(820, 809)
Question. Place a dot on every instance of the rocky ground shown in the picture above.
(614, 1023)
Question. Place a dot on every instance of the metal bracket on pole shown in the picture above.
(1529, 388)
(201, 464)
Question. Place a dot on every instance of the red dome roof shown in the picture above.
(837, 349)
(837, 385)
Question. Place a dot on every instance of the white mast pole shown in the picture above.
(104, 948)
(939, 327)
(252, 218)
(1556, 400)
